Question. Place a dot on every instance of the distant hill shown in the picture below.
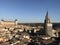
(32, 24)
(55, 25)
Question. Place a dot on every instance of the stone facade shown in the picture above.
(8, 24)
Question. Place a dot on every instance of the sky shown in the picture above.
(30, 11)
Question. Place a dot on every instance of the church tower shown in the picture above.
(48, 26)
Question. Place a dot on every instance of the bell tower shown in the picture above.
(47, 25)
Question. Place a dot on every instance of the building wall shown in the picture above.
(49, 29)
(8, 23)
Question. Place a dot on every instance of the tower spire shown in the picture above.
(46, 15)
(47, 18)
